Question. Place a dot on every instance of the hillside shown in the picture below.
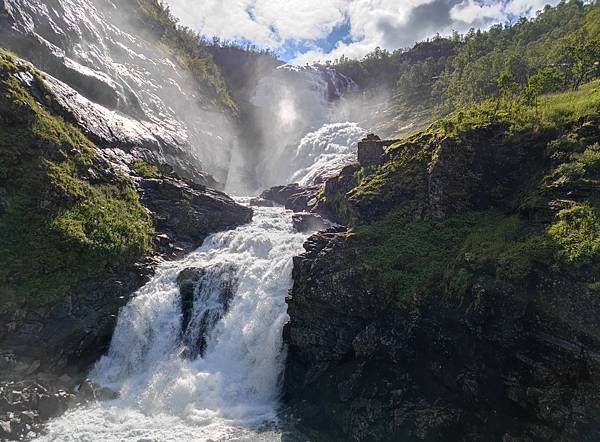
(443, 74)
(461, 304)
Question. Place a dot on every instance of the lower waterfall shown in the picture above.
(177, 386)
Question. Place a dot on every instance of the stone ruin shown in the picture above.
(371, 150)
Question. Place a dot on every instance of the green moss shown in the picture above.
(144, 169)
(449, 256)
(410, 256)
(577, 232)
(58, 226)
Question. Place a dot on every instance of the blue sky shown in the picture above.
(304, 31)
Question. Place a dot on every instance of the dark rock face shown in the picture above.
(309, 222)
(205, 298)
(186, 213)
(293, 196)
(76, 331)
(487, 368)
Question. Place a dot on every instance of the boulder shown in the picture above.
(186, 213)
(205, 298)
(309, 222)
(90, 391)
(188, 280)
(293, 196)
(258, 202)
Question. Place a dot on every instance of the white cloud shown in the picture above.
(470, 11)
(389, 24)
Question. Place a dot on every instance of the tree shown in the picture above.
(586, 53)
(544, 81)
(507, 86)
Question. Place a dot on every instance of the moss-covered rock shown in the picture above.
(462, 304)
(67, 215)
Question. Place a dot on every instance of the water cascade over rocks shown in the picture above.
(207, 367)
(305, 129)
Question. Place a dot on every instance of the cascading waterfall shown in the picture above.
(175, 386)
(324, 152)
(303, 130)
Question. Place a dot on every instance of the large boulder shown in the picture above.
(186, 213)
(293, 196)
(206, 295)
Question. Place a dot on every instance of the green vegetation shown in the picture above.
(555, 51)
(577, 231)
(144, 169)
(64, 215)
(188, 49)
(450, 255)
(519, 113)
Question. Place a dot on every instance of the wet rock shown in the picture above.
(188, 280)
(90, 391)
(53, 405)
(96, 92)
(205, 298)
(309, 222)
(186, 214)
(261, 202)
(293, 196)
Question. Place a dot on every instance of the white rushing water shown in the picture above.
(229, 392)
(324, 152)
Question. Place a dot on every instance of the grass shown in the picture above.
(451, 255)
(58, 226)
(552, 110)
(144, 169)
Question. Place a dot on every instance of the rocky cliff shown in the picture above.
(461, 304)
(130, 77)
(82, 227)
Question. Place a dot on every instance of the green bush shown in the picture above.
(577, 233)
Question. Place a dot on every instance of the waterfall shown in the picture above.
(304, 131)
(177, 385)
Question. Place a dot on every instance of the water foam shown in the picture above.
(231, 391)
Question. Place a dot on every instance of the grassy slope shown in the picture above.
(498, 249)
(64, 216)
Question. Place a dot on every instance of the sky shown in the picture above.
(305, 31)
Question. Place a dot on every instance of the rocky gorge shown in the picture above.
(119, 205)
(439, 284)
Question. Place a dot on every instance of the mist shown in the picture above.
(306, 123)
